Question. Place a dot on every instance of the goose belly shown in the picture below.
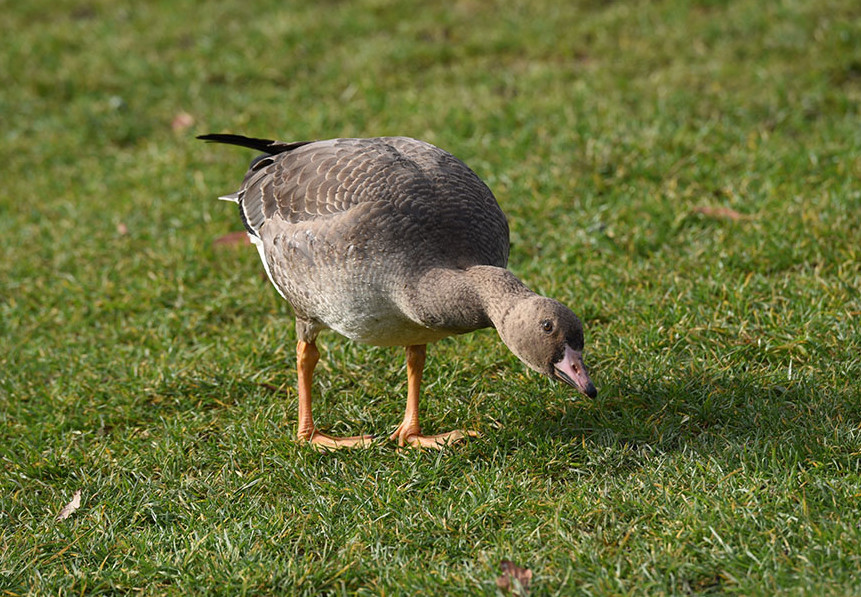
(362, 313)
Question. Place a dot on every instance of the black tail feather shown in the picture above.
(264, 145)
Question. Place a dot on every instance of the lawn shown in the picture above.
(685, 175)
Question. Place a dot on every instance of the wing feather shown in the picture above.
(436, 196)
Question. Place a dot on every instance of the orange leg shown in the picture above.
(307, 356)
(409, 431)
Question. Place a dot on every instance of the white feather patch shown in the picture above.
(257, 242)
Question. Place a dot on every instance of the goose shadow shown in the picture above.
(695, 411)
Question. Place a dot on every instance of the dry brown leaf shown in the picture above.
(514, 579)
(233, 239)
(719, 212)
(181, 121)
(70, 508)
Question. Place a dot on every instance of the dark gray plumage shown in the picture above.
(392, 241)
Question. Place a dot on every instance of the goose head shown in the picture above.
(548, 338)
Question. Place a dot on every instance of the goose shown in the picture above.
(391, 241)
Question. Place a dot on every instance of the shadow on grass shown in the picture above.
(698, 412)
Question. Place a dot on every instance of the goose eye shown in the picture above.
(547, 325)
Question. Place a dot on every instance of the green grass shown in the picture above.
(723, 454)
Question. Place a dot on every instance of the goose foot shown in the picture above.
(409, 432)
(321, 441)
(307, 356)
(412, 436)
